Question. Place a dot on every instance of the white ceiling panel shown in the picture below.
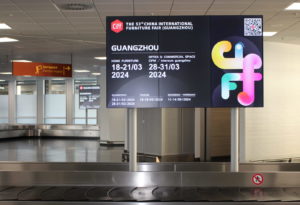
(154, 2)
(30, 1)
(152, 13)
(230, 7)
(113, 7)
(36, 7)
(151, 7)
(58, 20)
(223, 12)
(83, 14)
(266, 14)
(43, 29)
(190, 6)
(84, 20)
(2, 2)
(269, 5)
(187, 12)
(8, 7)
(13, 20)
(44, 14)
(112, 2)
(117, 13)
(12, 14)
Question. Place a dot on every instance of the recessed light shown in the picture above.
(269, 33)
(6, 40)
(81, 71)
(101, 58)
(4, 26)
(96, 73)
(21, 61)
(5, 73)
(293, 6)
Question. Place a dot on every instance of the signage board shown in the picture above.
(89, 96)
(184, 61)
(41, 69)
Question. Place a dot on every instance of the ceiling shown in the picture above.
(47, 33)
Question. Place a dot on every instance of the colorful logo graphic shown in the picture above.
(247, 64)
(117, 26)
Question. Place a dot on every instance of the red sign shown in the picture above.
(42, 69)
(117, 26)
(257, 179)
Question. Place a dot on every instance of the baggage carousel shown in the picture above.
(148, 187)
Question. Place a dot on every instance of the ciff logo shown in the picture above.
(117, 26)
(247, 64)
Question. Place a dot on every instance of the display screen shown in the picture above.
(89, 96)
(184, 61)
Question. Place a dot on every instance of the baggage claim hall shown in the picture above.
(149, 102)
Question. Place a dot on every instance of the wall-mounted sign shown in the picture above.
(89, 96)
(184, 61)
(41, 69)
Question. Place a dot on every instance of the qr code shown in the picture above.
(252, 27)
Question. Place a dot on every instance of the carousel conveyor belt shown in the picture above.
(148, 194)
(148, 188)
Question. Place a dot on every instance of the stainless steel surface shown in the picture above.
(146, 167)
(146, 194)
(58, 150)
(4, 127)
(234, 143)
(148, 179)
(141, 203)
(225, 167)
(68, 127)
(11, 131)
(133, 141)
(90, 131)
(70, 133)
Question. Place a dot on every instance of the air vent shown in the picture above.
(76, 7)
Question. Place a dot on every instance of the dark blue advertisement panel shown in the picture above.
(184, 61)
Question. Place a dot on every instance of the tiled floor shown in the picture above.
(58, 150)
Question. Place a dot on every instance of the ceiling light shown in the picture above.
(101, 58)
(4, 26)
(5, 73)
(2, 80)
(6, 39)
(21, 61)
(81, 71)
(293, 6)
(269, 33)
(96, 73)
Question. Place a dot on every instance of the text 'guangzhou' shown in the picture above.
(135, 47)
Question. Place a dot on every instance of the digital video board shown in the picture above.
(184, 61)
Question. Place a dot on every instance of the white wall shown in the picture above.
(113, 122)
(272, 132)
(3, 108)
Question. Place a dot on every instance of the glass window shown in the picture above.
(55, 102)
(3, 101)
(80, 115)
(26, 102)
